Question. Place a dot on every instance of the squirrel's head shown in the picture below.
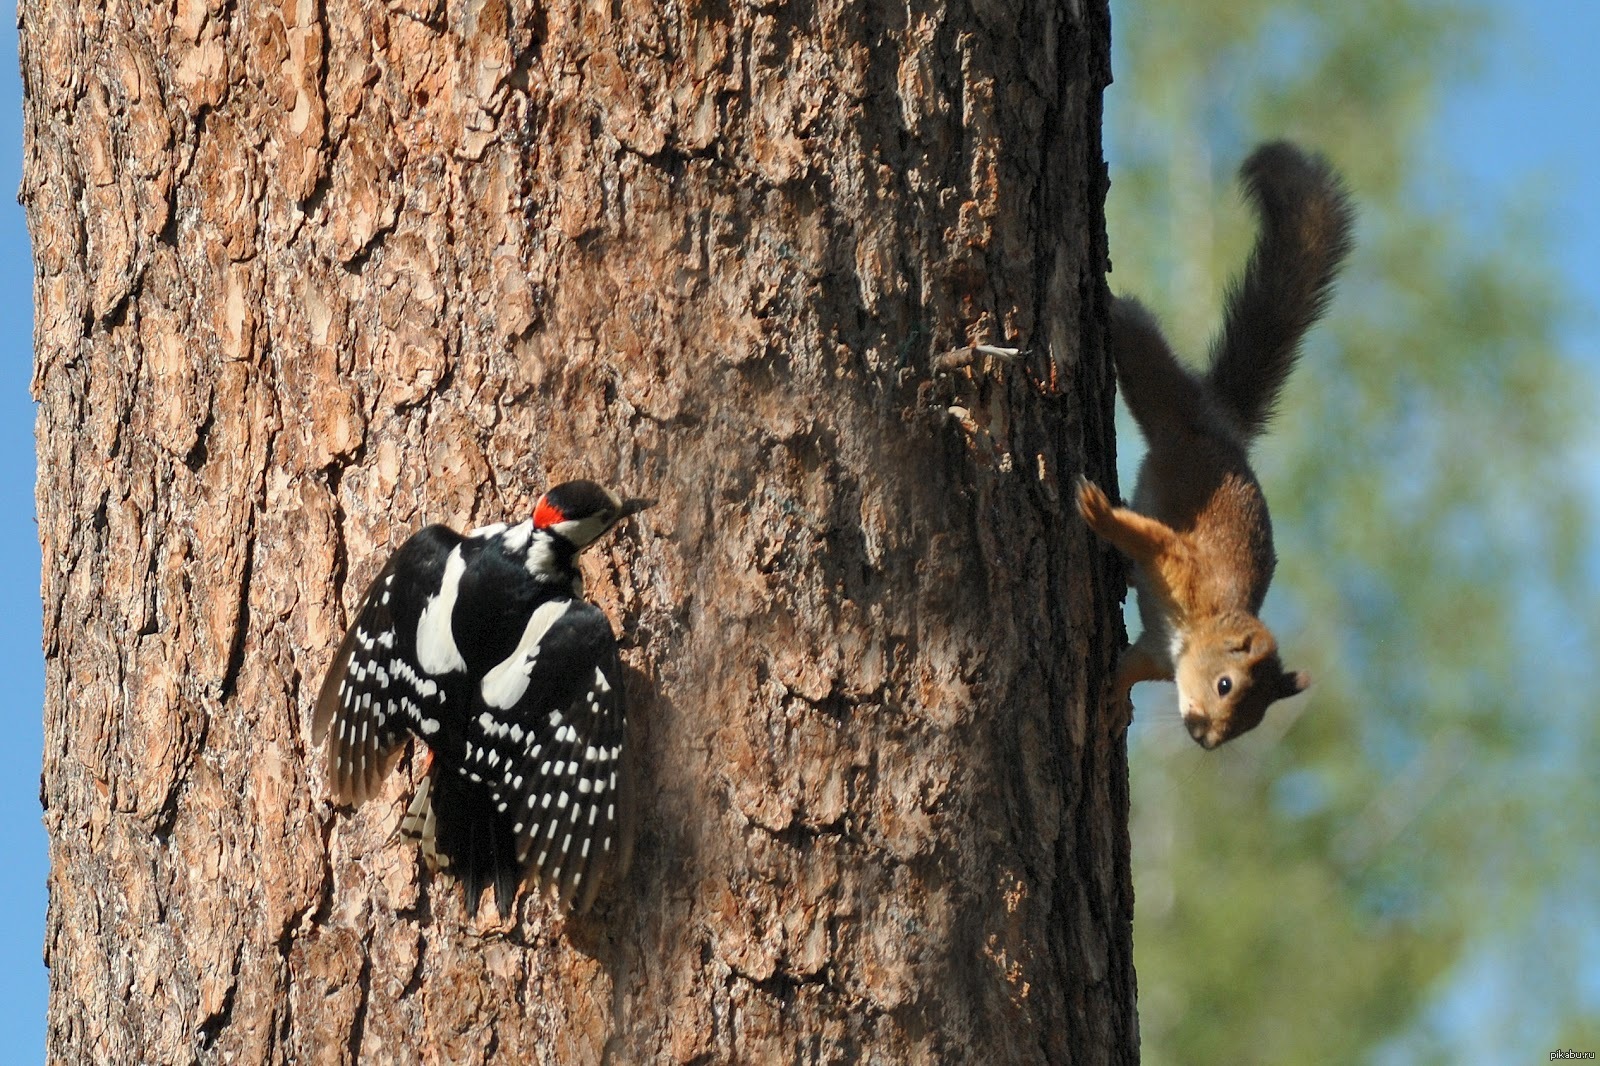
(1228, 674)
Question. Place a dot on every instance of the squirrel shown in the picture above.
(1198, 533)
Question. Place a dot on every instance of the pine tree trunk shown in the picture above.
(313, 274)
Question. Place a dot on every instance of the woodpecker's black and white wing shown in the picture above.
(375, 691)
(545, 737)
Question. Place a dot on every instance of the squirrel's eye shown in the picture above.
(1224, 685)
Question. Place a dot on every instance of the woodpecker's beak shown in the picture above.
(633, 506)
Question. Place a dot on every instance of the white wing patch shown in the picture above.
(436, 644)
(504, 685)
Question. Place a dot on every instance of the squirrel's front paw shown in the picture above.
(1118, 704)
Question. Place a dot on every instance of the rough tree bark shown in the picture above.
(312, 274)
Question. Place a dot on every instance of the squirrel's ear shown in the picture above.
(1241, 643)
(1293, 684)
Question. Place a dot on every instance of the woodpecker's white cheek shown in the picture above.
(582, 531)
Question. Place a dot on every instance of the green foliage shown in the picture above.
(1315, 892)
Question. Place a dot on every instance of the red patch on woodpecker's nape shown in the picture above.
(547, 514)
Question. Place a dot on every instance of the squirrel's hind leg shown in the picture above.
(1168, 402)
(1139, 537)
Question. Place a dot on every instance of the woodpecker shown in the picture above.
(482, 647)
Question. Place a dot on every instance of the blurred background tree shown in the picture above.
(1400, 866)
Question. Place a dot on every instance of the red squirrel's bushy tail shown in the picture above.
(1306, 218)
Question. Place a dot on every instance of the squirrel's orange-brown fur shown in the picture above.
(1198, 532)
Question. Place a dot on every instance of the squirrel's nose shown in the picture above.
(1200, 730)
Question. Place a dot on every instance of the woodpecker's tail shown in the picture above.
(469, 841)
(1306, 218)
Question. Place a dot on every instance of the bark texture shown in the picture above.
(311, 274)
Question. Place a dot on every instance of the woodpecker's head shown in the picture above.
(579, 512)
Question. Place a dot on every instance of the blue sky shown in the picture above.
(1528, 127)
(23, 981)
(1527, 123)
